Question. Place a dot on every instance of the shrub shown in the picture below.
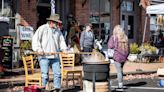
(134, 48)
(146, 48)
(25, 45)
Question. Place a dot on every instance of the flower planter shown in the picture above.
(132, 57)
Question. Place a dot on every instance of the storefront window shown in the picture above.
(127, 6)
(100, 18)
(6, 10)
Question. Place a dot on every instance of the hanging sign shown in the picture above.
(26, 33)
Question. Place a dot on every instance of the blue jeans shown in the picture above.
(44, 66)
(119, 68)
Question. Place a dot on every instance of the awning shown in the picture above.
(155, 9)
(154, 2)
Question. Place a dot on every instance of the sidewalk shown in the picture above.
(17, 75)
(129, 68)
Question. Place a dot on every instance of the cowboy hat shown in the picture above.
(54, 17)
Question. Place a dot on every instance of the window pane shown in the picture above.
(104, 6)
(94, 6)
(100, 18)
(127, 6)
(123, 6)
(130, 6)
(7, 11)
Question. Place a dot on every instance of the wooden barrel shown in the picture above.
(99, 86)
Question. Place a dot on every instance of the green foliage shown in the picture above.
(25, 45)
(146, 48)
(134, 48)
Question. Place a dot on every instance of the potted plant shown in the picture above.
(146, 48)
(133, 52)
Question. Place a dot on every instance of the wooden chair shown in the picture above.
(67, 69)
(31, 77)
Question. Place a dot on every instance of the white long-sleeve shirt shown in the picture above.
(48, 40)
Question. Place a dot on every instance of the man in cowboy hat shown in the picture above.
(48, 38)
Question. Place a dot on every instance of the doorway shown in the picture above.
(62, 7)
(127, 23)
(128, 19)
(43, 13)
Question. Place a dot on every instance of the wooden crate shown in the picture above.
(160, 71)
(99, 86)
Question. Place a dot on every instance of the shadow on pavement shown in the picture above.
(71, 89)
(136, 84)
(8, 74)
(75, 89)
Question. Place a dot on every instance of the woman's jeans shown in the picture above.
(119, 68)
(44, 66)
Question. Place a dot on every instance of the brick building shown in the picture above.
(103, 14)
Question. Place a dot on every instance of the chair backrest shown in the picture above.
(28, 64)
(67, 60)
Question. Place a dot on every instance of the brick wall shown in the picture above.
(28, 12)
(115, 13)
(82, 12)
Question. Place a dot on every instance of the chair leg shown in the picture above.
(26, 82)
(73, 79)
(40, 82)
(81, 81)
(62, 80)
(67, 80)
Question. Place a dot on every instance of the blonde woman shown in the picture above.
(119, 42)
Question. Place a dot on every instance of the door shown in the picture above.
(62, 7)
(128, 19)
(127, 23)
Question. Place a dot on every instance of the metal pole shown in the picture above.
(143, 39)
(2, 7)
(99, 21)
(111, 15)
(94, 80)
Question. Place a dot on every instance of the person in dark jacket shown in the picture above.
(87, 39)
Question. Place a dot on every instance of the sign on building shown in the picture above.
(7, 45)
(26, 33)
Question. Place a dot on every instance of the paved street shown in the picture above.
(141, 85)
(15, 80)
